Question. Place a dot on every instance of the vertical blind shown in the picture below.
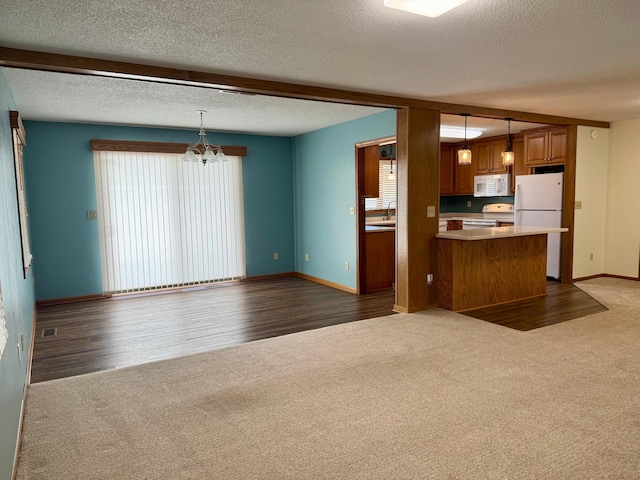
(165, 223)
(387, 188)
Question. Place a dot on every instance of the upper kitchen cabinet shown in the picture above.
(371, 171)
(447, 152)
(545, 146)
(487, 156)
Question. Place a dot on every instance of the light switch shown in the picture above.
(431, 211)
(352, 210)
(578, 204)
(92, 214)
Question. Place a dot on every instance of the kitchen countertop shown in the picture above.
(379, 228)
(497, 232)
(459, 216)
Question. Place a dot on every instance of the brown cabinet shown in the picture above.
(446, 169)
(371, 171)
(519, 168)
(380, 257)
(545, 146)
(487, 156)
(454, 224)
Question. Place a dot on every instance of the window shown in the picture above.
(19, 140)
(386, 187)
(165, 223)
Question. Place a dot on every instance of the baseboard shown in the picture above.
(327, 283)
(606, 275)
(27, 382)
(399, 309)
(269, 277)
(60, 301)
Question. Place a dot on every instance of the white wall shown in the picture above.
(622, 241)
(592, 159)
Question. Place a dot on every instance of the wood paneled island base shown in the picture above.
(491, 271)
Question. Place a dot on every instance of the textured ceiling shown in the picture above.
(63, 97)
(575, 58)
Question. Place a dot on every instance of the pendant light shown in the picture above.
(392, 176)
(464, 154)
(508, 157)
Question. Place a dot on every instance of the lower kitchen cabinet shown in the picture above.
(454, 224)
(380, 251)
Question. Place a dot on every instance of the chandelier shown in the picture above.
(202, 150)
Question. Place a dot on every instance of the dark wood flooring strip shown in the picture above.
(563, 302)
(124, 331)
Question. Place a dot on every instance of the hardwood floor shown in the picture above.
(123, 331)
(563, 302)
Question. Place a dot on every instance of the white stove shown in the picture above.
(503, 212)
(492, 215)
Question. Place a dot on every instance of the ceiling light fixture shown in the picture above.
(458, 132)
(464, 154)
(429, 8)
(202, 150)
(508, 157)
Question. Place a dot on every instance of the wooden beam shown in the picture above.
(418, 152)
(28, 59)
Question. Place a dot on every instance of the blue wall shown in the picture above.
(60, 180)
(17, 293)
(325, 188)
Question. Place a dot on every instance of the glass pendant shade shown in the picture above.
(464, 156)
(220, 156)
(189, 156)
(508, 158)
(208, 155)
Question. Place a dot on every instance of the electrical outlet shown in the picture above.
(469, 203)
(92, 214)
(306, 257)
(346, 266)
(429, 279)
(578, 204)
(276, 256)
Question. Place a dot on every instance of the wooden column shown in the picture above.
(568, 207)
(418, 150)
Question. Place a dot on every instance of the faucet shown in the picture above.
(389, 208)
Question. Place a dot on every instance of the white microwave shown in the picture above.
(492, 185)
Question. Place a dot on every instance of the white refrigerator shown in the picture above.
(538, 203)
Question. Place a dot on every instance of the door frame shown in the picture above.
(361, 269)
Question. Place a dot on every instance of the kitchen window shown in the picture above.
(387, 188)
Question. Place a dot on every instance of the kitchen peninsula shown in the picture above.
(490, 266)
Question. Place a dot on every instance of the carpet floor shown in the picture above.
(429, 395)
